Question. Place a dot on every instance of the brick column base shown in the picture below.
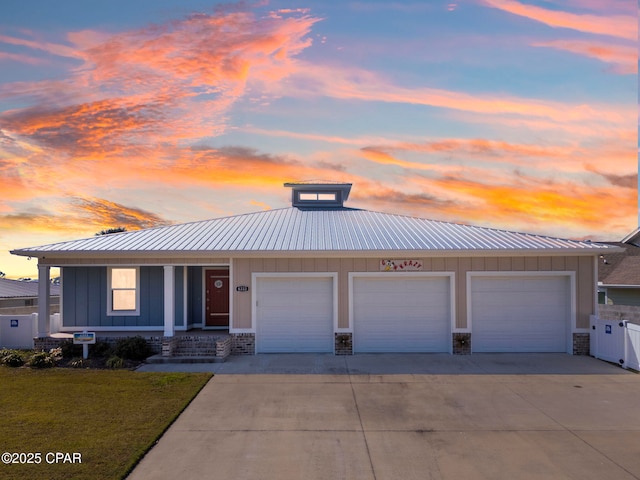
(243, 344)
(223, 348)
(581, 343)
(169, 346)
(344, 343)
(461, 344)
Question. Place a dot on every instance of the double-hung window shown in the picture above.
(124, 291)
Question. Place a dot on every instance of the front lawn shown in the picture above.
(107, 418)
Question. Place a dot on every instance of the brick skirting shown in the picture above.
(243, 344)
(581, 343)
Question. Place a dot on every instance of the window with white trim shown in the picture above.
(124, 291)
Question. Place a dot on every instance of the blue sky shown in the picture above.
(514, 114)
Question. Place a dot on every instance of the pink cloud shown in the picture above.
(357, 84)
(623, 57)
(623, 26)
(52, 48)
(20, 58)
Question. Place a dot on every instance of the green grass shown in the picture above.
(111, 417)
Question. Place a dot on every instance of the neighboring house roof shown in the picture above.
(315, 230)
(15, 289)
(633, 238)
(622, 268)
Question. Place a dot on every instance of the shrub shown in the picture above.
(11, 358)
(100, 349)
(114, 362)
(76, 363)
(42, 360)
(132, 348)
(56, 353)
(70, 350)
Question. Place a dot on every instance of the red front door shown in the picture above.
(217, 298)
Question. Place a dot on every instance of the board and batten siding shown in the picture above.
(583, 266)
(84, 291)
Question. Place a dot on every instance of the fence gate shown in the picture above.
(616, 341)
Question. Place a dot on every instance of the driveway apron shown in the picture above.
(407, 416)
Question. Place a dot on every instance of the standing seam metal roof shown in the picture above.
(306, 230)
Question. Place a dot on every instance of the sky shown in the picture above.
(513, 114)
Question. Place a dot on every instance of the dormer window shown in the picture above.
(319, 195)
(314, 197)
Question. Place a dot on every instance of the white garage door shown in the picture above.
(294, 314)
(520, 313)
(401, 314)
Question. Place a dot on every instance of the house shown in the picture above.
(21, 297)
(319, 276)
(619, 280)
(619, 276)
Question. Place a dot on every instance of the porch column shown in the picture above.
(44, 300)
(169, 301)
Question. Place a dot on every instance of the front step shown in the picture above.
(194, 349)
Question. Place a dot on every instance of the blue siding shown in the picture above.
(195, 295)
(179, 296)
(85, 298)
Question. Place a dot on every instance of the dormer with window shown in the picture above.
(318, 194)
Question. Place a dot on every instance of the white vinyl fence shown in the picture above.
(18, 331)
(616, 341)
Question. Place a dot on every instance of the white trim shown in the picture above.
(254, 298)
(115, 328)
(423, 274)
(123, 313)
(570, 328)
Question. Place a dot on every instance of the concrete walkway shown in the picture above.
(502, 416)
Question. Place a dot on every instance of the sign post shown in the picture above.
(84, 339)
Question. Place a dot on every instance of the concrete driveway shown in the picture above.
(484, 416)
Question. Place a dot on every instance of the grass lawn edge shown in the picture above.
(135, 461)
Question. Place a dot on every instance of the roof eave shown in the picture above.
(52, 254)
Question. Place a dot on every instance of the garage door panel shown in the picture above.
(401, 314)
(520, 314)
(294, 315)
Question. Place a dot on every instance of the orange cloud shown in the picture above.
(484, 152)
(80, 216)
(528, 204)
(623, 26)
(104, 213)
(165, 83)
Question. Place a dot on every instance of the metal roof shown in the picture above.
(15, 288)
(299, 231)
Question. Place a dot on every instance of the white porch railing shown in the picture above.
(18, 331)
(616, 341)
